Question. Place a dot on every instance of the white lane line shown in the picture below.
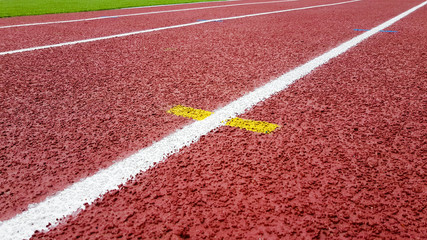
(144, 13)
(72, 199)
(168, 27)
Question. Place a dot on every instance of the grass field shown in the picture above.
(11, 8)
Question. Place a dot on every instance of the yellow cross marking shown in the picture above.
(199, 114)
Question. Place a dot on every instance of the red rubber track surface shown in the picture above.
(91, 14)
(348, 161)
(71, 111)
(77, 109)
(32, 36)
(80, 15)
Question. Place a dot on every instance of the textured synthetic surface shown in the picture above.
(347, 161)
(51, 34)
(117, 101)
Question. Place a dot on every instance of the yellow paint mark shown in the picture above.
(199, 114)
(188, 112)
(252, 125)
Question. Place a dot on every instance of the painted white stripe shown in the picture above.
(169, 27)
(68, 201)
(139, 14)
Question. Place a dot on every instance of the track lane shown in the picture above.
(99, 18)
(347, 163)
(91, 14)
(32, 36)
(72, 104)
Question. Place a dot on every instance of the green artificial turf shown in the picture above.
(11, 8)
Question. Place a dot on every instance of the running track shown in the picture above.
(347, 162)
